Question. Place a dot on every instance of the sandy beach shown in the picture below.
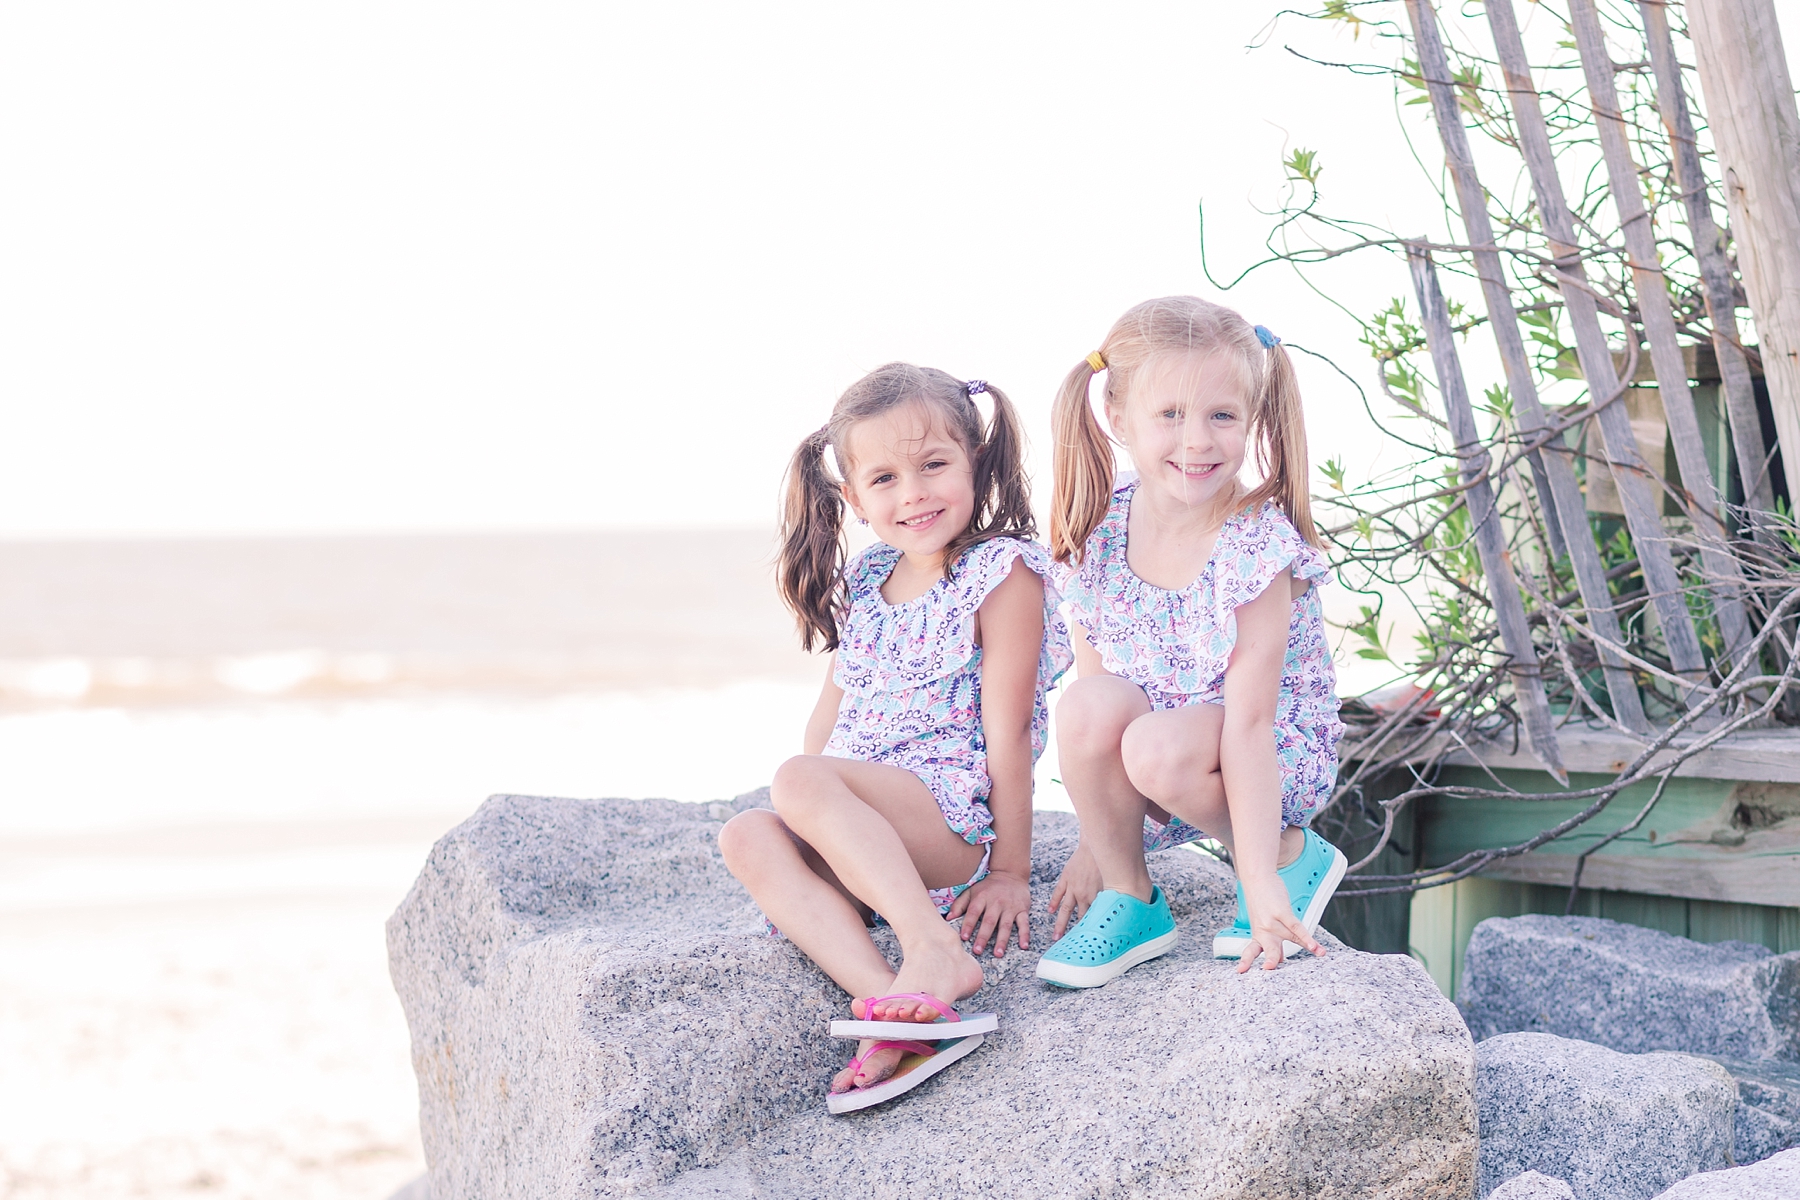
(199, 847)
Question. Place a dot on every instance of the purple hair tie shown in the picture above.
(975, 387)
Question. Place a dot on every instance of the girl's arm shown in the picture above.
(1252, 777)
(1080, 880)
(825, 712)
(1011, 628)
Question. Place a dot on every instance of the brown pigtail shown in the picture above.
(1281, 445)
(810, 568)
(1002, 490)
(1083, 472)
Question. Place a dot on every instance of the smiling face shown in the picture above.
(1187, 426)
(910, 478)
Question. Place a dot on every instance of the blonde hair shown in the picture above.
(1084, 454)
(809, 570)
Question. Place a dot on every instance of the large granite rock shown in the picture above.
(1768, 1108)
(1615, 1126)
(1775, 1178)
(1630, 988)
(1532, 1185)
(596, 1012)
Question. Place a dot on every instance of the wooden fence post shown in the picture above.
(1715, 271)
(1725, 577)
(1755, 129)
(1565, 500)
(1490, 541)
(1643, 508)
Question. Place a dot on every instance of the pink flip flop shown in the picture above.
(949, 1023)
(919, 1063)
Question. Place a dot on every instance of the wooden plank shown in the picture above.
(1759, 879)
(1724, 574)
(1709, 250)
(1642, 507)
(1693, 844)
(1490, 541)
(1702, 363)
(1755, 755)
(1755, 128)
(1643, 406)
(1559, 492)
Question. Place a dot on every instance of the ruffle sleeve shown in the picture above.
(1058, 656)
(1253, 551)
(1083, 587)
(887, 647)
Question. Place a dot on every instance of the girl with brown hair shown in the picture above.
(1206, 699)
(913, 799)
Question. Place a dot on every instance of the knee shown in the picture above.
(1093, 714)
(1159, 765)
(796, 782)
(747, 837)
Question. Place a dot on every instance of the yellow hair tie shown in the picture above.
(1096, 361)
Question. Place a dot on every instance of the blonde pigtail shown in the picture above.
(1083, 470)
(1281, 445)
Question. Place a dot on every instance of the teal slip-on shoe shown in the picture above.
(1311, 880)
(1115, 934)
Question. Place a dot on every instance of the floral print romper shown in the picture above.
(1176, 644)
(911, 675)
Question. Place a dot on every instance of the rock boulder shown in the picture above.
(1768, 1108)
(1615, 1126)
(1776, 1178)
(1532, 1185)
(1630, 988)
(595, 1011)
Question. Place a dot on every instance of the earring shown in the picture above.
(863, 521)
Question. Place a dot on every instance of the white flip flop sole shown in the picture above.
(914, 1070)
(1070, 976)
(1226, 946)
(971, 1025)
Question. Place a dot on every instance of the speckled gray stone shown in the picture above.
(1630, 988)
(595, 1012)
(1768, 1108)
(1615, 1126)
(1532, 1185)
(1776, 1178)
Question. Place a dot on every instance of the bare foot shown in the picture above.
(946, 972)
(875, 1068)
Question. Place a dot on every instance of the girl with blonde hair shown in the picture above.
(1206, 703)
(913, 799)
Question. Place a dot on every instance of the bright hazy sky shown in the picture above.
(379, 266)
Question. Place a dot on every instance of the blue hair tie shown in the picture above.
(1269, 340)
(975, 387)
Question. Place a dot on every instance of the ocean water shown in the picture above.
(222, 763)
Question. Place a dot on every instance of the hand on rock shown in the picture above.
(1075, 888)
(1272, 921)
(990, 911)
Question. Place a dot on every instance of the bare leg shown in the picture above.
(1091, 720)
(1172, 757)
(801, 897)
(860, 832)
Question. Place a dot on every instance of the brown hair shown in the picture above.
(1084, 453)
(809, 570)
